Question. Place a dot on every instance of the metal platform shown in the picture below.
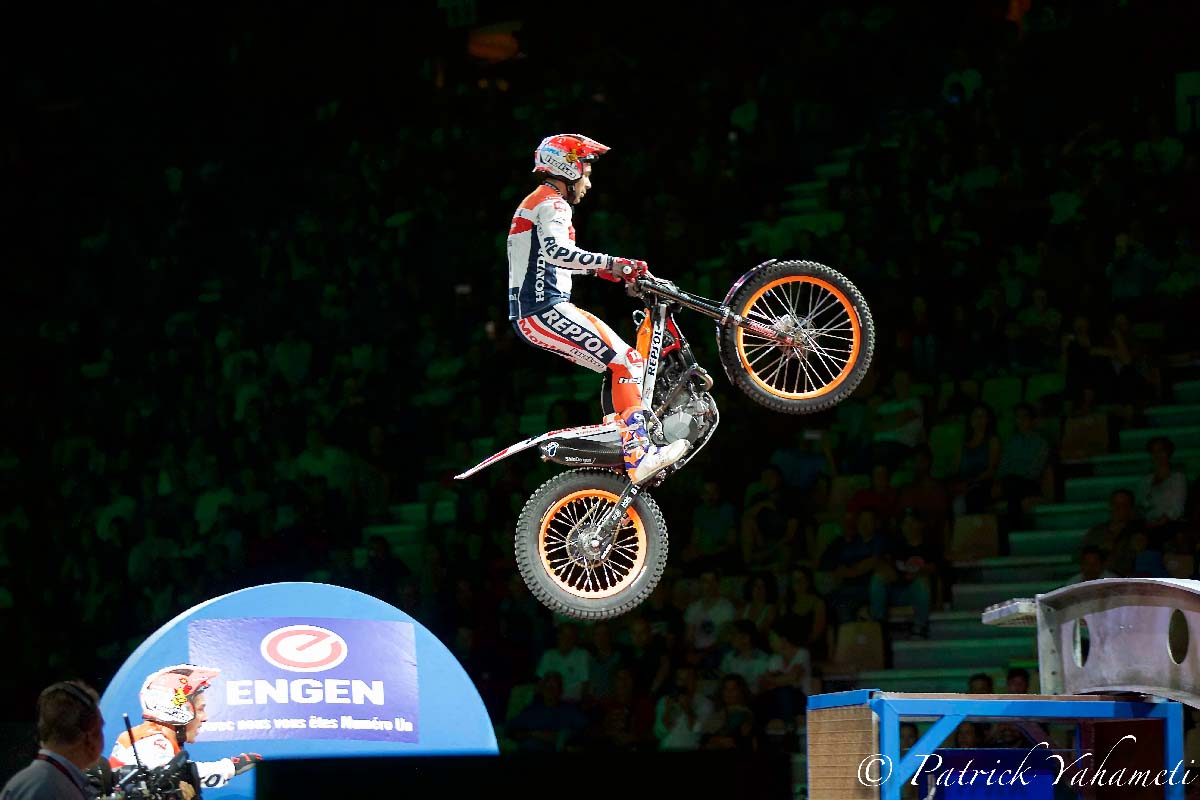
(854, 737)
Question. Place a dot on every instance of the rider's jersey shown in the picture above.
(156, 745)
(542, 256)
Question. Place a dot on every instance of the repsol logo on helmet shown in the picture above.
(560, 164)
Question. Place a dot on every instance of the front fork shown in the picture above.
(606, 526)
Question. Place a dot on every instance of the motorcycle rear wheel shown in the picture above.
(563, 577)
(827, 316)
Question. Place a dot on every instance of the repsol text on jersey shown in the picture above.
(567, 255)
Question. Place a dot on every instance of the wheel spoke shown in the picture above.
(824, 304)
(771, 378)
(827, 359)
(766, 302)
(766, 352)
(784, 300)
(808, 379)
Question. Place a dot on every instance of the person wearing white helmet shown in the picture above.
(542, 261)
(173, 707)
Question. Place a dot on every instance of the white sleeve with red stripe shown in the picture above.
(156, 750)
(558, 240)
(214, 774)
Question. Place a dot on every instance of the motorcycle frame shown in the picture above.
(665, 296)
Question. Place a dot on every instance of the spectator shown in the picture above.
(680, 714)
(1083, 362)
(665, 616)
(981, 683)
(1040, 323)
(1091, 567)
(626, 719)
(731, 725)
(769, 523)
(647, 658)
(852, 559)
(899, 422)
(1017, 681)
(569, 661)
(789, 679)
(708, 619)
(906, 575)
(1162, 495)
(1115, 537)
(1005, 734)
(977, 462)
(880, 498)
(603, 660)
(760, 598)
(927, 496)
(548, 724)
(714, 531)
(744, 658)
(806, 610)
(917, 339)
(70, 731)
(1021, 473)
(802, 463)
(967, 736)
(1179, 554)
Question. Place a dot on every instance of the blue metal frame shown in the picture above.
(948, 713)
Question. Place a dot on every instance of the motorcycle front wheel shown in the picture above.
(553, 554)
(829, 321)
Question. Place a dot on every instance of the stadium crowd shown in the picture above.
(273, 337)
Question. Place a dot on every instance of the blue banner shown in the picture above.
(309, 670)
(308, 678)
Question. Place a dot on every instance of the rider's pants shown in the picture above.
(586, 340)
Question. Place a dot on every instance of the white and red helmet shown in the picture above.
(168, 696)
(564, 154)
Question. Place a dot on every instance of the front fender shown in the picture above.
(747, 275)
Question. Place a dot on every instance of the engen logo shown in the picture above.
(303, 648)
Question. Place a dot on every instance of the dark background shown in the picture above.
(183, 187)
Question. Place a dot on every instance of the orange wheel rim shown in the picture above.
(821, 317)
(569, 562)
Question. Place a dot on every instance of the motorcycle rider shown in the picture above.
(173, 705)
(542, 260)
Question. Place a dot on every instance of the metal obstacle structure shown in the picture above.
(1114, 635)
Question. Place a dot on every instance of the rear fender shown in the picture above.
(600, 432)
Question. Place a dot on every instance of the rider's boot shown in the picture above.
(644, 460)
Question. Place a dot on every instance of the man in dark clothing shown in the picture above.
(853, 559)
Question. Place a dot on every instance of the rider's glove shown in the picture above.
(245, 762)
(608, 274)
(628, 269)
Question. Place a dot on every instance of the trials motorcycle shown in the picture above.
(795, 336)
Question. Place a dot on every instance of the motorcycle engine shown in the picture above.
(686, 420)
